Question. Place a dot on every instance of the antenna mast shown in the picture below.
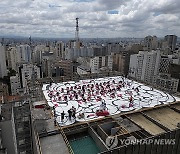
(77, 33)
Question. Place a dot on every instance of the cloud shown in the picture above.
(133, 18)
(167, 7)
(112, 4)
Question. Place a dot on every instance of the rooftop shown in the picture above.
(143, 124)
(165, 116)
(53, 144)
(146, 124)
(49, 135)
(119, 94)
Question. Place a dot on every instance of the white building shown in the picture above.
(3, 68)
(144, 65)
(95, 64)
(99, 63)
(15, 85)
(27, 73)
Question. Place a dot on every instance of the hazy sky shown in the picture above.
(98, 18)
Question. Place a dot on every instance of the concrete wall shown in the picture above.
(76, 131)
(107, 127)
(101, 133)
(152, 148)
(8, 137)
(97, 139)
(36, 142)
(114, 130)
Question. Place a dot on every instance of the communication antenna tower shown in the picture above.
(77, 33)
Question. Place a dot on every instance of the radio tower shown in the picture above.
(77, 33)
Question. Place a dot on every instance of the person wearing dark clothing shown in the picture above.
(69, 114)
(76, 96)
(73, 112)
(65, 98)
(62, 116)
(55, 124)
(54, 110)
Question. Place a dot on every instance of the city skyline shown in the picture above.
(98, 18)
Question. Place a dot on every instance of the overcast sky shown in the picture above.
(98, 18)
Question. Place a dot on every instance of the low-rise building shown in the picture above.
(83, 70)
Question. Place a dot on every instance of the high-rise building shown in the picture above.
(63, 68)
(121, 62)
(171, 41)
(60, 49)
(145, 65)
(47, 63)
(166, 82)
(15, 85)
(74, 53)
(175, 73)
(3, 68)
(12, 58)
(114, 47)
(147, 42)
(16, 128)
(25, 53)
(151, 43)
(165, 62)
(92, 51)
(4, 93)
(95, 64)
(28, 72)
(37, 53)
(100, 63)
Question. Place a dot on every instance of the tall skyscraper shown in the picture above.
(60, 49)
(12, 58)
(171, 41)
(3, 68)
(25, 53)
(145, 65)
